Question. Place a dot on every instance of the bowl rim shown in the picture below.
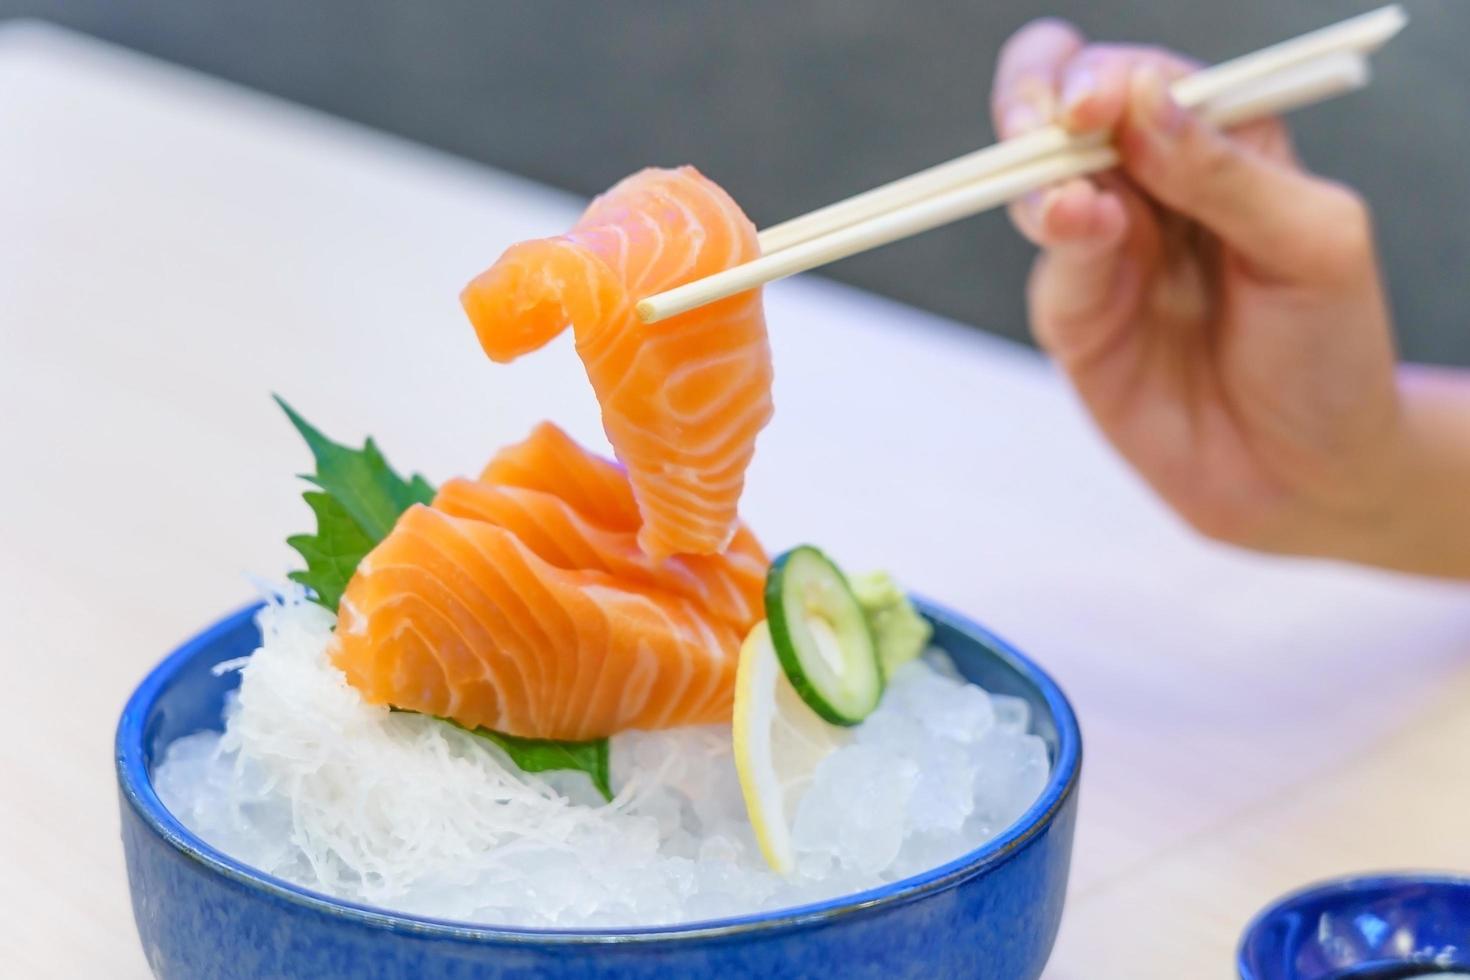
(1254, 932)
(1061, 786)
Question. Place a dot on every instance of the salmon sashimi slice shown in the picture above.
(550, 460)
(575, 509)
(729, 585)
(682, 400)
(522, 603)
(457, 618)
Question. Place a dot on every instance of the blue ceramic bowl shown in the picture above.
(202, 915)
(1368, 928)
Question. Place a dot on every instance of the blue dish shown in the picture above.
(202, 915)
(1365, 928)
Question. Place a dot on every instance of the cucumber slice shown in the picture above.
(821, 636)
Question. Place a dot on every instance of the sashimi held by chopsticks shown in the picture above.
(1285, 76)
(681, 406)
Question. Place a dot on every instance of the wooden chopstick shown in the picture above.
(1285, 76)
(1301, 85)
(1363, 34)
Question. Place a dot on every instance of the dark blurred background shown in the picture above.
(791, 104)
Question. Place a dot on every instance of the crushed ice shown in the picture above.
(310, 784)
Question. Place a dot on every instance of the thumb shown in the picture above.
(1285, 223)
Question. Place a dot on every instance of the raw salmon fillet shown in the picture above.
(683, 399)
(522, 603)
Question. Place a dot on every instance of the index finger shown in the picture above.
(1028, 73)
(1095, 82)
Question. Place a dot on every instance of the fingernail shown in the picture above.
(1076, 87)
(1032, 203)
(1020, 118)
(1162, 114)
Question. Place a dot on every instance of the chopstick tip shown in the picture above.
(647, 311)
(1395, 19)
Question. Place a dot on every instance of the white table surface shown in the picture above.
(173, 249)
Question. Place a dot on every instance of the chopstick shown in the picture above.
(1301, 85)
(1363, 34)
(1276, 79)
(1305, 84)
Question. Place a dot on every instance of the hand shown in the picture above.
(1217, 308)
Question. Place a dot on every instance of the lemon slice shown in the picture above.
(779, 741)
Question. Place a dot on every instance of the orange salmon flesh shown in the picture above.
(522, 602)
(682, 400)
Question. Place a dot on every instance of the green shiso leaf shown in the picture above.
(333, 552)
(358, 500)
(360, 479)
(540, 754)
(545, 754)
